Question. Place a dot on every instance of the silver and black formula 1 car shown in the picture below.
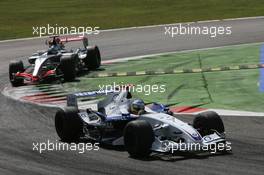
(153, 129)
(56, 62)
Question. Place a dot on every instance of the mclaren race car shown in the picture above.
(56, 62)
(118, 119)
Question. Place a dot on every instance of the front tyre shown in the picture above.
(14, 67)
(138, 138)
(68, 124)
(68, 67)
(93, 58)
(208, 122)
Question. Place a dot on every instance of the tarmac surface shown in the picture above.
(21, 125)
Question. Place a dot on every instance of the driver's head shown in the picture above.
(57, 40)
(137, 106)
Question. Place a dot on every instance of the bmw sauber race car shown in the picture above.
(121, 120)
(56, 62)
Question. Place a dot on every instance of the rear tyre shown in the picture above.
(138, 138)
(68, 67)
(208, 122)
(68, 124)
(14, 67)
(93, 58)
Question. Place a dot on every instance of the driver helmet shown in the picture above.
(57, 40)
(137, 106)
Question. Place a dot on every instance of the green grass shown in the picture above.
(237, 90)
(227, 56)
(17, 17)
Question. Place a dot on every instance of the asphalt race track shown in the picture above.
(23, 124)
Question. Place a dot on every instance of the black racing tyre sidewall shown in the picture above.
(68, 124)
(207, 122)
(68, 67)
(138, 138)
(14, 67)
(93, 58)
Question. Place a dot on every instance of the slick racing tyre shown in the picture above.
(93, 58)
(138, 138)
(68, 67)
(208, 122)
(14, 67)
(68, 124)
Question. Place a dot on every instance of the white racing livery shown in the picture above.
(152, 129)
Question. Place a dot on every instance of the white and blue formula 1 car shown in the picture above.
(151, 129)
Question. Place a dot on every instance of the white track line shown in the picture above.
(148, 26)
(172, 52)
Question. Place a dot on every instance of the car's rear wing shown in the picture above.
(72, 99)
(73, 38)
(66, 39)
